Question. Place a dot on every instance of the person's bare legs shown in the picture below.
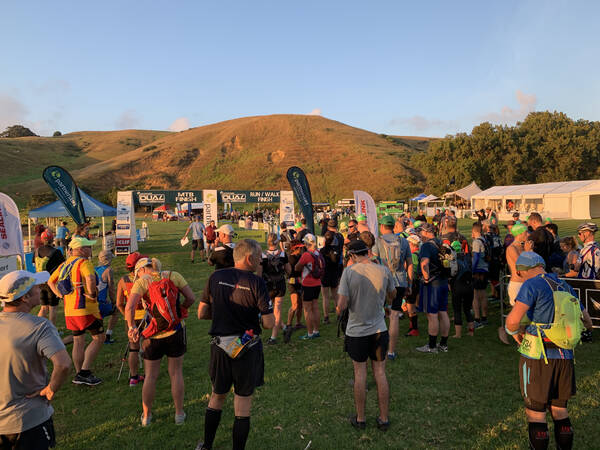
(394, 331)
(43, 312)
(242, 405)
(277, 313)
(316, 314)
(177, 385)
(383, 389)
(444, 323)
(360, 389)
(325, 291)
(112, 322)
(52, 314)
(308, 315)
(151, 370)
(78, 352)
(133, 358)
(295, 299)
(92, 350)
(433, 324)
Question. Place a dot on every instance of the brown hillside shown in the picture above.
(255, 153)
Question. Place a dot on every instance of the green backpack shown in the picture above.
(567, 325)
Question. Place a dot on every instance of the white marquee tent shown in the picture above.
(462, 197)
(559, 200)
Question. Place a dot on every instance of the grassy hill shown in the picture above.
(245, 153)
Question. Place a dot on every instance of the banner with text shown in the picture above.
(299, 185)
(365, 205)
(166, 197)
(11, 235)
(211, 211)
(62, 184)
(125, 237)
(248, 196)
(286, 207)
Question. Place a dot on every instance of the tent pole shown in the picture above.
(103, 232)
(29, 231)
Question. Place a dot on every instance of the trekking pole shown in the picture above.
(124, 358)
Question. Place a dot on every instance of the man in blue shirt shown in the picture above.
(62, 236)
(544, 385)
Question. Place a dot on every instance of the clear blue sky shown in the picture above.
(408, 68)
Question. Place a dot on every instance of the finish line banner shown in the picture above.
(166, 197)
(249, 196)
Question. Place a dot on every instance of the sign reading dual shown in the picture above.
(162, 197)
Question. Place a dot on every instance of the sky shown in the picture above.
(404, 68)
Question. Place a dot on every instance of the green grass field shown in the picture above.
(467, 398)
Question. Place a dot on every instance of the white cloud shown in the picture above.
(128, 119)
(508, 115)
(315, 112)
(421, 124)
(180, 124)
(12, 111)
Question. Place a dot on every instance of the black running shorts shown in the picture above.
(397, 302)
(480, 280)
(48, 298)
(245, 373)
(40, 437)
(544, 385)
(198, 244)
(97, 327)
(310, 293)
(276, 289)
(172, 346)
(373, 347)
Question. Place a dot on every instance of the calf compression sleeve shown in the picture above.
(241, 429)
(538, 436)
(563, 434)
(212, 417)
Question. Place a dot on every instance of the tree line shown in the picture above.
(546, 146)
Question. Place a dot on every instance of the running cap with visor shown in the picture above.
(529, 260)
(309, 239)
(132, 259)
(142, 262)
(414, 239)
(226, 229)
(16, 284)
(387, 221)
(78, 242)
(357, 246)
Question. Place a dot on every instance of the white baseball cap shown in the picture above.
(226, 229)
(15, 285)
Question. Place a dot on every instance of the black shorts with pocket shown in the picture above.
(397, 302)
(47, 297)
(198, 244)
(295, 288)
(411, 298)
(480, 280)
(373, 347)
(96, 327)
(245, 373)
(544, 385)
(172, 346)
(310, 293)
(40, 437)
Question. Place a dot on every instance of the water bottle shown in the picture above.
(249, 334)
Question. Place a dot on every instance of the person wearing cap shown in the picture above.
(412, 296)
(170, 343)
(47, 258)
(361, 226)
(394, 253)
(274, 268)
(364, 289)
(546, 385)
(106, 292)
(433, 294)
(123, 292)
(81, 308)
(222, 255)
(516, 216)
(519, 245)
(27, 342)
(198, 233)
(237, 302)
(311, 287)
(588, 262)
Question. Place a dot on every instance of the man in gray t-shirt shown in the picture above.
(198, 233)
(26, 342)
(363, 289)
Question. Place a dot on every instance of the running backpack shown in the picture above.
(496, 247)
(391, 258)
(487, 253)
(275, 269)
(64, 285)
(163, 306)
(41, 263)
(594, 272)
(448, 259)
(318, 266)
(567, 325)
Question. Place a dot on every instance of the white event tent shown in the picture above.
(559, 200)
(462, 197)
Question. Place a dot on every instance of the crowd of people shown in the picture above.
(372, 283)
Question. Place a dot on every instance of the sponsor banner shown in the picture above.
(233, 196)
(63, 185)
(249, 196)
(11, 235)
(301, 189)
(166, 197)
(7, 264)
(109, 242)
(125, 239)
(365, 205)
(210, 206)
(286, 207)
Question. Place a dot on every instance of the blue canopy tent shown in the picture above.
(91, 206)
(419, 197)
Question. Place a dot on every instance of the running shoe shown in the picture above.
(391, 356)
(383, 426)
(287, 334)
(484, 323)
(412, 332)
(426, 349)
(180, 419)
(134, 381)
(109, 339)
(442, 348)
(145, 421)
(478, 324)
(356, 424)
(90, 380)
(271, 341)
(306, 337)
(316, 334)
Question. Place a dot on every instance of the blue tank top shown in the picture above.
(102, 285)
